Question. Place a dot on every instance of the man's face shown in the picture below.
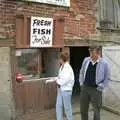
(94, 54)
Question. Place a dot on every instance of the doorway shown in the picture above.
(77, 55)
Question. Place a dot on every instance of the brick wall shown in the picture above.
(79, 18)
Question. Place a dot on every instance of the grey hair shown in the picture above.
(97, 48)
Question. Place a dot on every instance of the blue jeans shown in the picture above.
(63, 99)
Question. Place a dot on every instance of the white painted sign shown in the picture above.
(41, 32)
(55, 2)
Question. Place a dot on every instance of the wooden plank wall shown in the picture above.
(109, 13)
(23, 32)
(34, 96)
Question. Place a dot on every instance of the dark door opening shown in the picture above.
(77, 55)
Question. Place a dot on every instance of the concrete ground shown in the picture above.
(105, 115)
(47, 115)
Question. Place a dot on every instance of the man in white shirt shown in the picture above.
(65, 82)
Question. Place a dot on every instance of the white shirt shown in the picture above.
(66, 77)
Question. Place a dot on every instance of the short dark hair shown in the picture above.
(64, 56)
(97, 48)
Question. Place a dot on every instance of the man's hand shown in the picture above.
(99, 89)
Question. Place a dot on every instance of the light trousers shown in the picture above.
(63, 100)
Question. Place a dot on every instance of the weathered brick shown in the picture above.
(79, 18)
